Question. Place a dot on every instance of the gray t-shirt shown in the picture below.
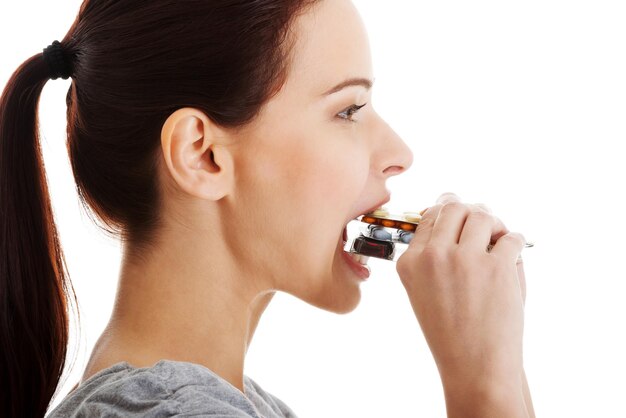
(168, 389)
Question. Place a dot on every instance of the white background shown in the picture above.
(518, 105)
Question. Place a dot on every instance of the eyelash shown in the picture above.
(352, 110)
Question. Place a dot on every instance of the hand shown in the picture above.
(519, 263)
(468, 302)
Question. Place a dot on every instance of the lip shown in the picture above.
(373, 208)
(354, 217)
(361, 271)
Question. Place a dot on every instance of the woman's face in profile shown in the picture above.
(309, 164)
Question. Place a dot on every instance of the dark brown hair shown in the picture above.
(133, 64)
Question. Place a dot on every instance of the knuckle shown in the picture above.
(499, 222)
(482, 206)
(515, 236)
(432, 255)
(461, 257)
(404, 264)
(453, 206)
(429, 214)
(426, 220)
(449, 195)
(467, 257)
(408, 268)
(480, 215)
(499, 267)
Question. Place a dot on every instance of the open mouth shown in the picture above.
(357, 258)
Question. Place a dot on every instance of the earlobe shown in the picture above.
(195, 154)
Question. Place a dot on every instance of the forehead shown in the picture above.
(331, 46)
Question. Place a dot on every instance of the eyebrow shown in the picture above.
(358, 81)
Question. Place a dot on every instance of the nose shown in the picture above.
(391, 155)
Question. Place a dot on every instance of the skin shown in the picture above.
(235, 199)
(200, 295)
(470, 306)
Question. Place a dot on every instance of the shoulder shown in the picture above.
(264, 399)
(166, 389)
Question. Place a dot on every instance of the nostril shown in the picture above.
(393, 170)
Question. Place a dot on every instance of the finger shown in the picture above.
(429, 215)
(484, 207)
(443, 198)
(522, 278)
(449, 224)
(424, 228)
(488, 210)
(509, 245)
(423, 232)
(496, 235)
(448, 197)
(481, 229)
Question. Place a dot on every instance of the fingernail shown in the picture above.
(483, 206)
(443, 197)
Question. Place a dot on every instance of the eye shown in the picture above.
(349, 112)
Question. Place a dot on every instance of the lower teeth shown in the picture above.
(361, 259)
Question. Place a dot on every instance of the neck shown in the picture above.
(171, 306)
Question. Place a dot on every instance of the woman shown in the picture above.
(205, 135)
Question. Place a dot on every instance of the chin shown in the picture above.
(336, 305)
(345, 308)
(335, 288)
(338, 293)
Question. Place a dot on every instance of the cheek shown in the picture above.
(326, 179)
(334, 183)
(302, 189)
(323, 192)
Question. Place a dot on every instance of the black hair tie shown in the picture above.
(59, 66)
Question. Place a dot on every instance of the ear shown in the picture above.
(196, 154)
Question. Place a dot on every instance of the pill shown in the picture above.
(368, 219)
(406, 227)
(406, 237)
(380, 233)
(412, 216)
(388, 223)
(380, 212)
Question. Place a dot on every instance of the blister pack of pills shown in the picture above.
(380, 232)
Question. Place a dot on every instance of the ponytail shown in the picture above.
(34, 286)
